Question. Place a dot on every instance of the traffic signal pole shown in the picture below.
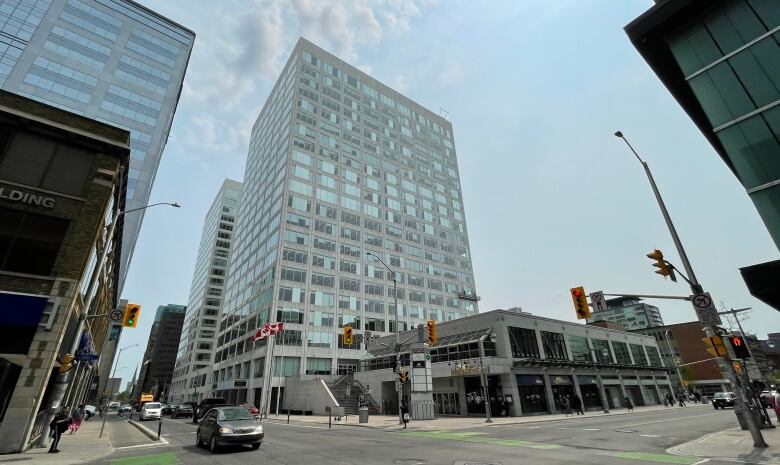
(710, 330)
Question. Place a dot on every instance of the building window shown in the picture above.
(29, 242)
(639, 355)
(554, 346)
(654, 356)
(603, 354)
(318, 366)
(579, 348)
(621, 353)
(523, 343)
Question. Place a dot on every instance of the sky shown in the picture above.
(534, 90)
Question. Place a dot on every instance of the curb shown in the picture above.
(149, 433)
(527, 420)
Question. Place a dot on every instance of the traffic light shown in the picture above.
(737, 367)
(580, 302)
(432, 337)
(132, 312)
(665, 268)
(403, 377)
(739, 344)
(66, 363)
(347, 335)
(715, 346)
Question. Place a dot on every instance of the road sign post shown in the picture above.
(705, 309)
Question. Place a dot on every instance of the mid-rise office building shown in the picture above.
(192, 375)
(61, 184)
(340, 166)
(718, 58)
(160, 356)
(631, 312)
(110, 60)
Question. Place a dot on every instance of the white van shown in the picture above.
(151, 411)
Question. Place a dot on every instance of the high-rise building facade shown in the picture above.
(111, 60)
(631, 312)
(340, 165)
(160, 356)
(192, 375)
(719, 59)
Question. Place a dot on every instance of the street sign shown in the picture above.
(705, 309)
(116, 315)
(598, 301)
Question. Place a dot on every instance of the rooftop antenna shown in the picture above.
(445, 113)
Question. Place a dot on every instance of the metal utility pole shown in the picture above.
(482, 375)
(598, 377)
(674, 360)
(397, 332)
(710, 329)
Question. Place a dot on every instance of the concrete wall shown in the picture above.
(306, 395)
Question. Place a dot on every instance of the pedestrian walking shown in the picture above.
(670, 399)
(697, 395)
(566, 405)
(58, 425)
(576, 404)
(405, 413)
(77, 418)
(681, 399)
(629, 404)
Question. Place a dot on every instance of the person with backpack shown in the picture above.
(58, 425)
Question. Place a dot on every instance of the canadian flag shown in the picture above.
(268, 329)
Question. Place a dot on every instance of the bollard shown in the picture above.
(329, 417)
(288, 416)
(159, 427)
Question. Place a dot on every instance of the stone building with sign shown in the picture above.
(62, 179)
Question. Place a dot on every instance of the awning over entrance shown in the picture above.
(762, 282)
(444, 341)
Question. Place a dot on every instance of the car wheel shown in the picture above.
(197, 439)
(255, 446)
(213, 444)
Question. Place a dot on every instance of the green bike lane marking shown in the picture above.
(481, 438)
(168, 458)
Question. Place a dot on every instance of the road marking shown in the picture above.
(591, 429)
(167, 458)
(650, 435)
(533, 427)
(141, 446)
(657, 458)
(478, 439)
(299, 426)
(668, 419)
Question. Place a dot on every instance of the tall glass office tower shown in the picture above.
(192, 375)
(340, 165)
(111, 60)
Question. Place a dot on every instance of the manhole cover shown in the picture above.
(410, 462)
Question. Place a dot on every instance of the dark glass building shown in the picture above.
(721, 60)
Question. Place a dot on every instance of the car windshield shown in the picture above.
(235, 414)
(150, 405)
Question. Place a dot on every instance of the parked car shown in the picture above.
(90, 411)
(113, 405)
(182, 411)
(124, 408)
(207, 404)
(151, 411)
(229, 425)
(723, 400)
(252, 409)
(167, 409)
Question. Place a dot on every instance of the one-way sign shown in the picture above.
(598, 301)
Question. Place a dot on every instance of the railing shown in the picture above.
(39, 427)
(368, 396)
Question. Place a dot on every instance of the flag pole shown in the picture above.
(281, 373)
(267, 400)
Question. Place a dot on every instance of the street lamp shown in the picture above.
(113, 373)
(696, 288)
(604, 353)
(397, 331)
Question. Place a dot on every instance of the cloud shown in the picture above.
(234, 52)
(451, 73)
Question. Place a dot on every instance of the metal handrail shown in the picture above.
(39, 427)
(367, 395)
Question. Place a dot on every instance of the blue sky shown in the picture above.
(535, 90)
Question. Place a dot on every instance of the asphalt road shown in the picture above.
(621, 439)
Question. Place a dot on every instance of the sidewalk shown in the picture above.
(733, 444)
(84, 446)
(390, 422)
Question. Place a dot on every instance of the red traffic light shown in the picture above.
(577, 292)
(737, 341)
